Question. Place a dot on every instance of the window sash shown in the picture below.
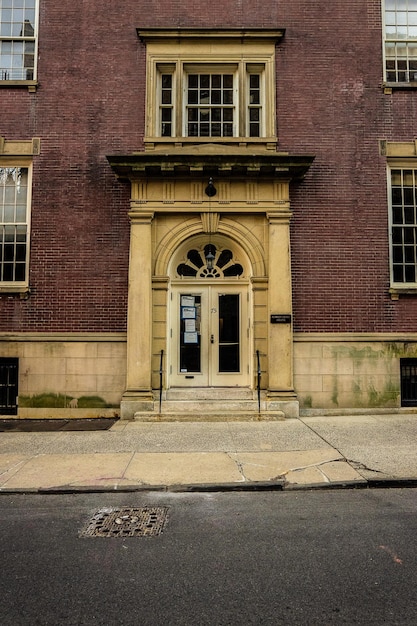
(18, 39)
(203, 100)
(400, 41)
(254, 123)
(403, 225)
(210, 105)
(14, 224)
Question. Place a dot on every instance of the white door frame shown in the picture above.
(207, 295)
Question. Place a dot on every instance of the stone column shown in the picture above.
(138, 395)
(281, 395)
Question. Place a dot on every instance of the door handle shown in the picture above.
(211, 338)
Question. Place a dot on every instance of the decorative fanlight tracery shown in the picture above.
(210, 262)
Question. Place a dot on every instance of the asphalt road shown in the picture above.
(319, 557)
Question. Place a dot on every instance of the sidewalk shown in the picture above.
(309, 452)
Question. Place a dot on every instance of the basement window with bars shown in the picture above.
(400, 41)
(18, 40)
(14, 228)
(408, 382)
(9, 375)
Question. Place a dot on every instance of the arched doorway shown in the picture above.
(210, 333)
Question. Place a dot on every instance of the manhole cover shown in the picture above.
(126, 522)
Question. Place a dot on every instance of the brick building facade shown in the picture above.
(137, 141)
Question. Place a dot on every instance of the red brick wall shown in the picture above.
(90, 103)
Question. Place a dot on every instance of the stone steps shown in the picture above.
(210, 416)
(214, 404)
(208, 393)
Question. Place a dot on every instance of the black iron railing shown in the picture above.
(160, 379)
(258, 385)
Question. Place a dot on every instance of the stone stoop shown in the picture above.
(210, 405)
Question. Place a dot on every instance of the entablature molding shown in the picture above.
(281, 216)
(140, 217)
(398, 149)
(176, 34)
(209, 162)
(18, 148)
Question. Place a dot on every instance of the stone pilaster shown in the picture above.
(281, 393)
(138, 395)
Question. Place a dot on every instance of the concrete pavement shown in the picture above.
(323, 451)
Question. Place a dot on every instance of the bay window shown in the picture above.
(205, 85)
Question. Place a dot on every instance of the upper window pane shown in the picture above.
(210, 105)
(13, 224)
(18, 32)
(403, 220)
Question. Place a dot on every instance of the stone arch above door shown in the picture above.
(230, 235)
(228, 261)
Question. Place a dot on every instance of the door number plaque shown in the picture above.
(280, 318)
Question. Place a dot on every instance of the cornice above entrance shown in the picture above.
(210, 160)
(158, 33)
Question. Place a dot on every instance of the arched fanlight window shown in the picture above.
(210, 262)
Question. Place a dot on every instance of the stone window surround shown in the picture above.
(240, 51)
(399, 155)
(20, 154)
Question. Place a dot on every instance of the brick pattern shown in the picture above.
(90, 103)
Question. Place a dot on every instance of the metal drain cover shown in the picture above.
(126, 522)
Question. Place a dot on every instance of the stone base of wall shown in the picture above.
(334, 372)
(68, 376)
(44, 413)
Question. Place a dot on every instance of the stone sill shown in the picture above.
(15, 290)
(390, 87)
(31, 85)
(155, 143)
(396, 292)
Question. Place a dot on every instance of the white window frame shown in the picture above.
(10, 286)
(210, 70)
(7, 78)
(410, 226)
(241, 72)
(259, 70)
(403, 41)
(162, 70)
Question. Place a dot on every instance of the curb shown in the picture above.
(389, 483)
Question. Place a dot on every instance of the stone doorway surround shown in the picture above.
(251, 208)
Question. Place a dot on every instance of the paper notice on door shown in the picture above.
(189, 326)
(187, 300)
(188, 312)
(190, 338)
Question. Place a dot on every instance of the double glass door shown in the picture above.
(209, 337)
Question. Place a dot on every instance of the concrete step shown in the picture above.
(206, 406)
(209, 393)
(210, 416)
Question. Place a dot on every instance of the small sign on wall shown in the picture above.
(281, 318)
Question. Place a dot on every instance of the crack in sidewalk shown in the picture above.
(358, 465)
(241, 467)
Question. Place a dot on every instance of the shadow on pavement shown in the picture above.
(53, 425)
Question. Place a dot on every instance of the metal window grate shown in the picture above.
(126, 522)
(408, 382)
(9, 374)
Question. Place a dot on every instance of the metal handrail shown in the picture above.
(259, 380)
(160, 379)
